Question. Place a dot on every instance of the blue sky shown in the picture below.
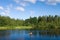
(23, 9)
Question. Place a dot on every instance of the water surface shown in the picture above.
(24, 35)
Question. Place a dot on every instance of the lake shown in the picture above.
(25, 35)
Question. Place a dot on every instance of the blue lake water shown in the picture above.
(24, 35)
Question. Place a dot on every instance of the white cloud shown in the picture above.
(2, 13)
(20, 9)
(5, 11)
(32, 1)
(58, 1)
(31, 12)
(23, 4)
(17, 1)
(42, 0)
(1, 8)
(51, 2)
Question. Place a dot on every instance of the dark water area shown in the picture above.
(25, 35)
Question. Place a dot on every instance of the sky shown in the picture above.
(23, 9)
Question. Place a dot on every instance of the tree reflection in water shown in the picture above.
(4, 34)
(50, 33)
(28, 34)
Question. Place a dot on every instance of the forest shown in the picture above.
(41, 22)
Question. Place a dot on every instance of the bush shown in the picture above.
(51, 26)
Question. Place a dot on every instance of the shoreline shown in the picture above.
(13, 28)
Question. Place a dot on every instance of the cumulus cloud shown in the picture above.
(51, 2)
(1, 8)
(5, 10)
(25, 2)
(20, 9)
(3, 13)
(32, 1)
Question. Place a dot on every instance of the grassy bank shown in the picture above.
(15, 27)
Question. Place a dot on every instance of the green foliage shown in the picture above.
(51, 26)
(42, 22)
(7, 21)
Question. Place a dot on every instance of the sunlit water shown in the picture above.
(24, 35)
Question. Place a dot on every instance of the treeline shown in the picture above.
(41, 22)
(7, 21)
(44, 22)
